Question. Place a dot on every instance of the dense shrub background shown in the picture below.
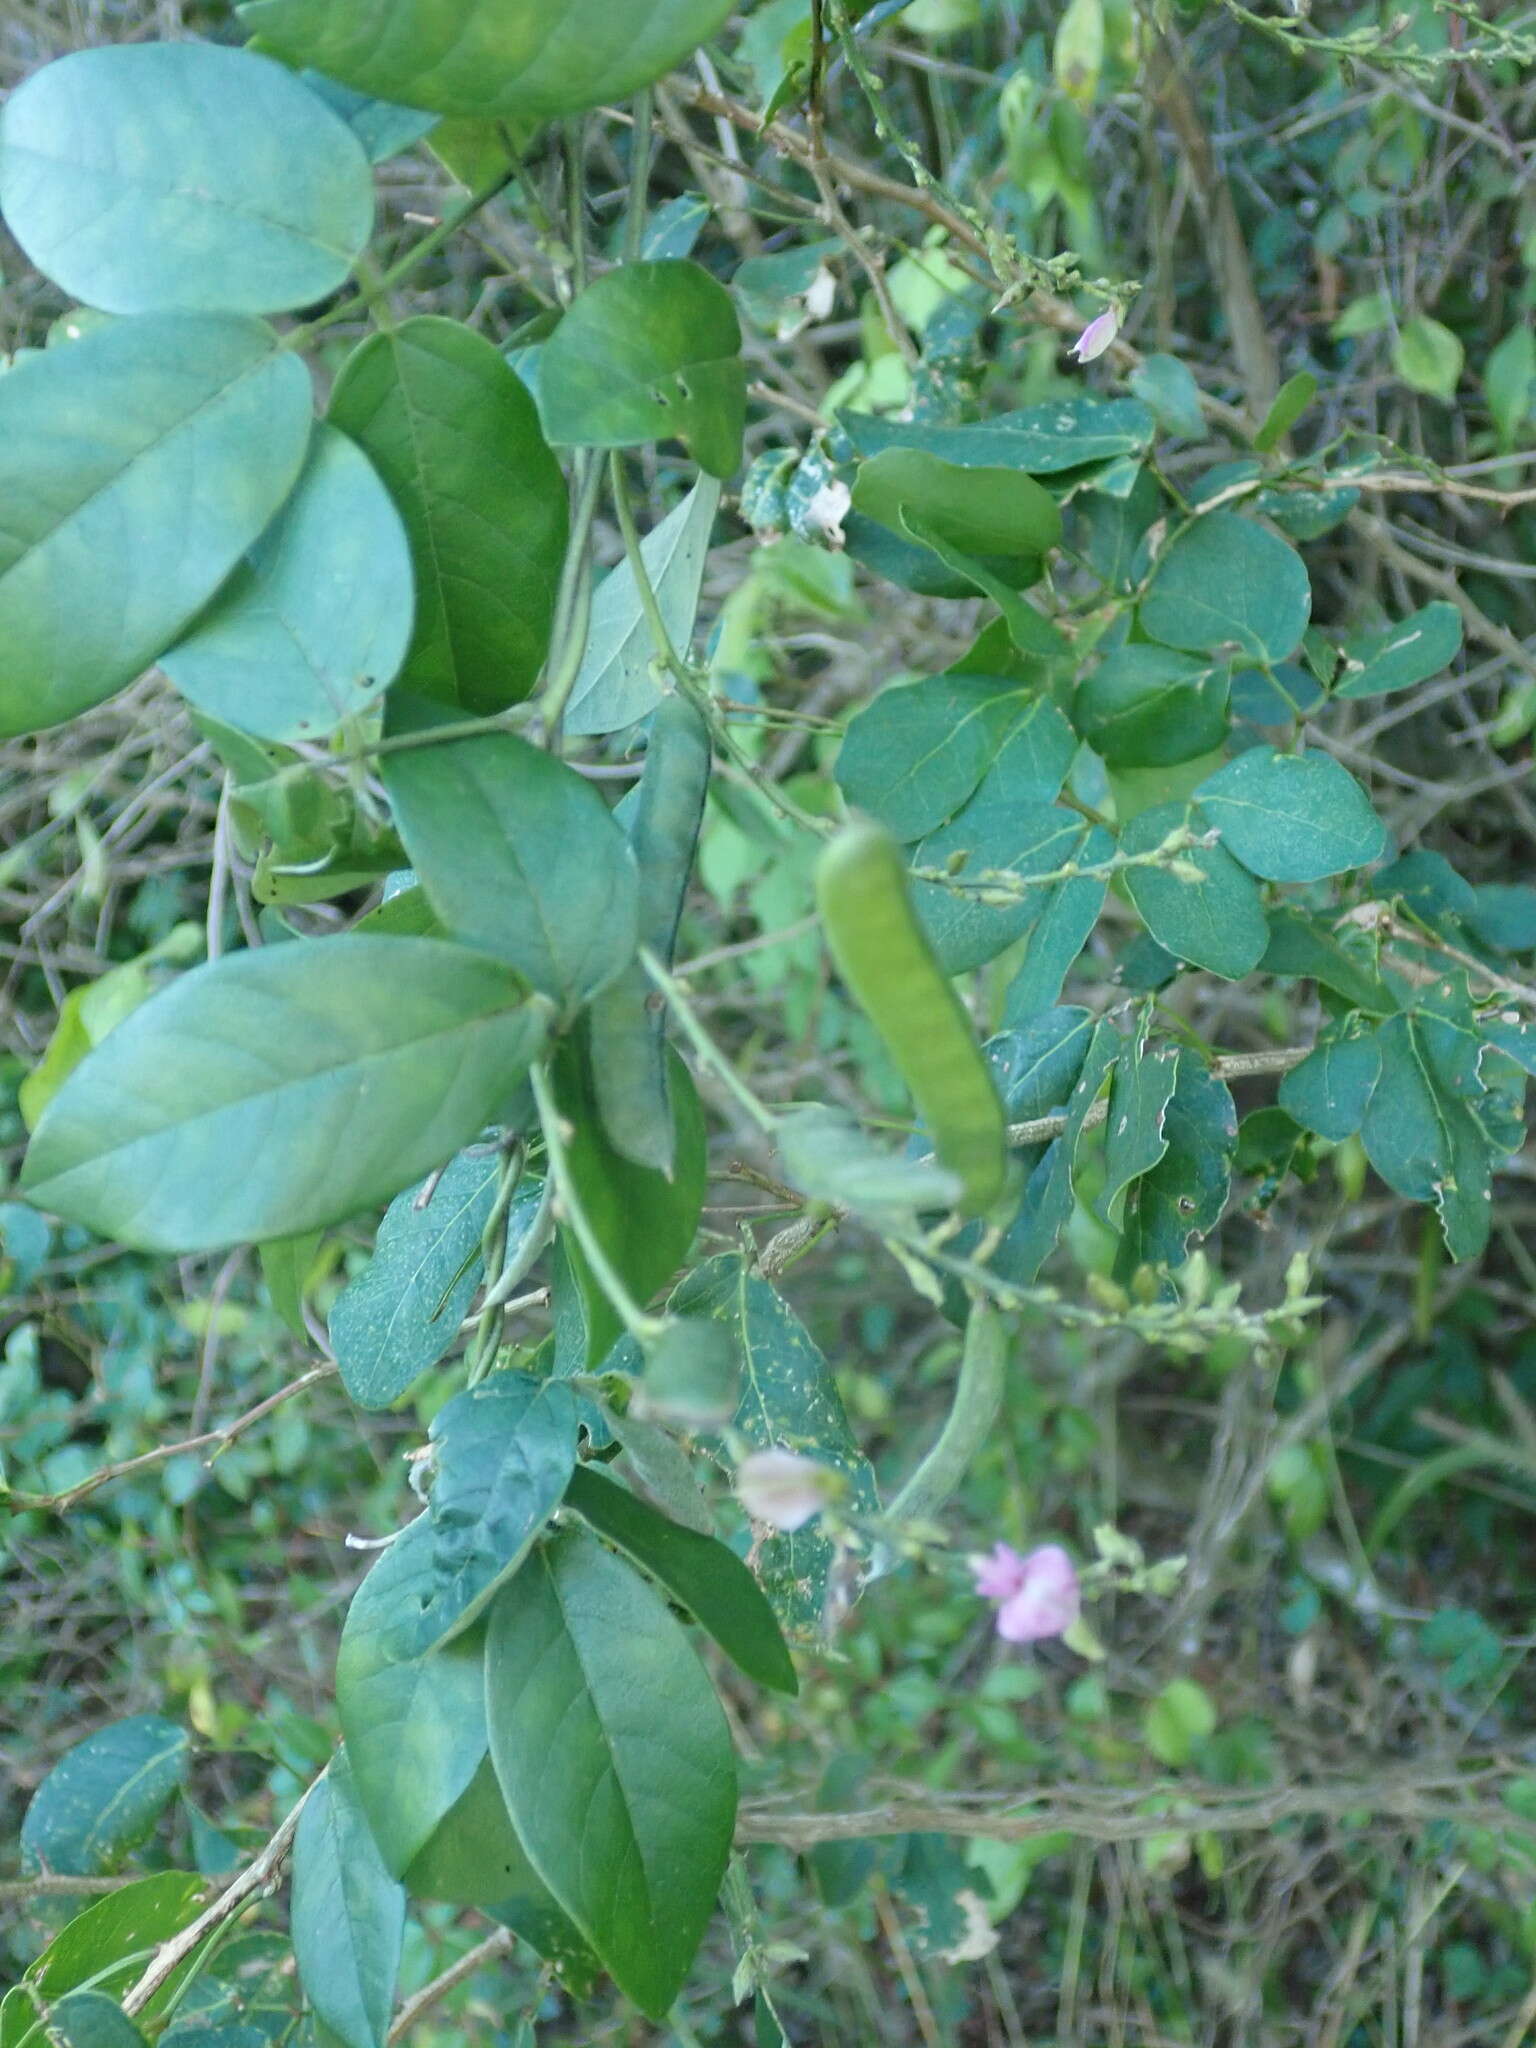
(1344, 1852)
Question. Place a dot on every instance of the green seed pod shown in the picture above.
(884, 956)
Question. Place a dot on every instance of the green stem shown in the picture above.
(639, 176)
(706, 1048)
(642, 1327)
(573, 601)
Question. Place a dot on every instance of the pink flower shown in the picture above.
(784, 1489)
(1097, 335)
(1037, 1596)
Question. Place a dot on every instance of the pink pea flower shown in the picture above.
(784, 1489)
(1097, 336)
(1037, 1596)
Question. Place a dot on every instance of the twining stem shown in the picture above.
(706, 1048)
(642, 1327)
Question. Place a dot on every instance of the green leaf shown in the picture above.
(1428, 356)
(1036, 1067)
(645, 1221)
(998, 834)
(285, 1268)
(1184, 1194)
(789, 1400)
(103, 1797)
(1147, 707)
(347, 1914)
(282, 1090)
(181, 177)
(1291, 817)
(476, 1859)
(1515, 1040)
(1217, 921)
(453, 432)
(914, 754)
(89, 2019)
(383, 127)
(137, 466)
(1330, 1090)
(414, 1720)
(662, 1471)
(697, 1571)
(981, 511)
(488, 56)
(1412, 651)
(632, 1830)
(827, 1155)
(1065, 915)
(1042, 440)
(402, 1312)
(648, 352)
(1030, 631)
(1228, 581)
(1291, 401)
(616, 685)
(1180, 1718)
(1139, 1093)
(1048, 1192)
(1302, 946)
(519, 855)
(504, 1453)
(108, 1944)
(314, 624)
(1509, 380)
(1167, 385)
(1421, 1132)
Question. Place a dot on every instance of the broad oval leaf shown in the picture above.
(1331, 1089)
(475, 1859)
(103, 1797)
(383, 127)
(453, 432)
(789, 1401)
(402, 1312)
(1291, 817)
(520, 855)
(1208, 910)
(105, 1945)
(538, 57)
(616, 684)
(586, 1671)
(698, 1571)
(347, 1914)
(649, 352)
(414, 1720)
(998, 836)
(89, 2019)
(137, 465)
(919, 750)
(1184, 1194)
(503, 1454)
(282, 1090)
(1412, 651)
(981, 511)
(1041, 440)
(1147, 707)
(181, 177)
(1228, 579)
(315, 622)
